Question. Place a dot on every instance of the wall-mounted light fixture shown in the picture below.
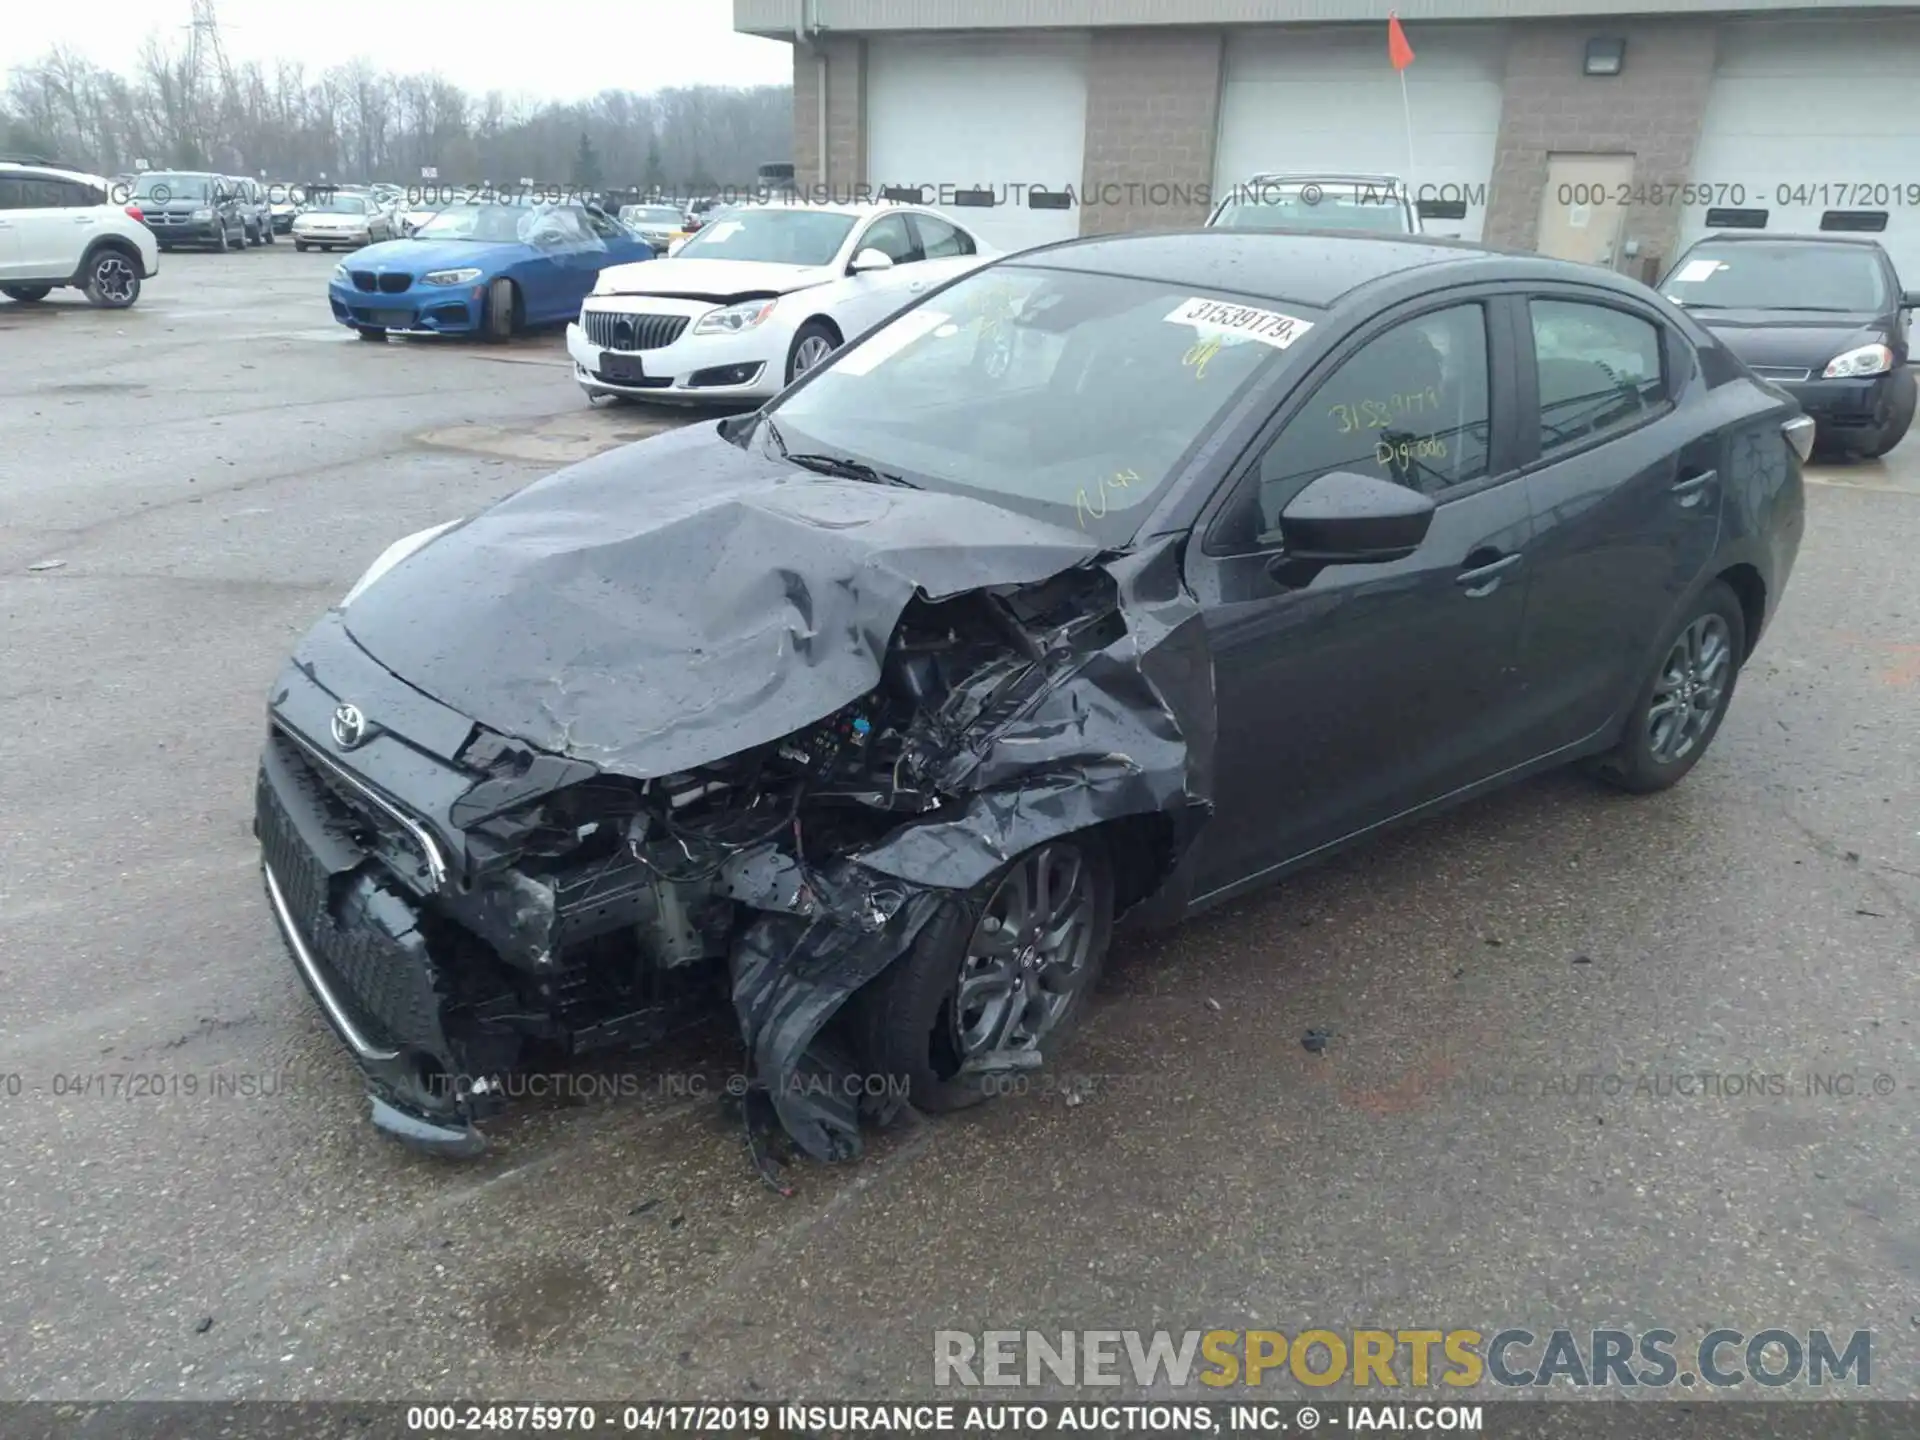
(1606, 57)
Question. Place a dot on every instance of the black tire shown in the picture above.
(267, 236)
(907, 1025)
(497, 324)
(113, 279)
(1644, 762)
(225, 242)
(806, 338)
(367, 333)
(301, 246)
(26, 294)
(1898, 423)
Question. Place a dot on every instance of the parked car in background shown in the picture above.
(412, 217)
(254, 207)
(61, 228)
(1120, 578)
(286, 200)
(757, 298)
(486, 269)
(698, 212)
(341, 220)
(659, 225)
(1316, 200)
(1822, 316)
(192, 207)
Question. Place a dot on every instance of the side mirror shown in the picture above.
(1348, 519)
(1911, 300)
(870, 260)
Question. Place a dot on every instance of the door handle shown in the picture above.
(1689, 490)
(1483, 580)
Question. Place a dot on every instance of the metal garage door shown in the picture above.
(1810, 118)
(998, 117)
(1328, 100)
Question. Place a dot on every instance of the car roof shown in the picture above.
(1314, 268)
(50, 170)
(1339, 177)
(1825, 237)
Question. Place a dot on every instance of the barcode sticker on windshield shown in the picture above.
(1215, 317)
(1695, 270)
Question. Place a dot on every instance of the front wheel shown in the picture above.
(499, 316)
(988, 989)
(301, 246)
(815, 341)
(26, 294)
(225, 242)
(1683, 701)
(1898, 423)
(113, 281)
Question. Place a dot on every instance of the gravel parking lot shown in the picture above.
(193, 1205)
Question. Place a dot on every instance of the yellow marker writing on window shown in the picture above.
(1096, 505)
(1199, 353)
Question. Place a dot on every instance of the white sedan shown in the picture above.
(758, 298)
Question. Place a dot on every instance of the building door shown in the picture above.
(1581, 217)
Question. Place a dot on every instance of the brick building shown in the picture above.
(1593, 130)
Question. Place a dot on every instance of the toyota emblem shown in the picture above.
(349, 726)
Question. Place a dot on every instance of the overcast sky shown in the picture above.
(548, 49)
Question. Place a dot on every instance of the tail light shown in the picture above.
(137, 213)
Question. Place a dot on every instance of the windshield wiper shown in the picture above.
(840, 465)
(847, 469)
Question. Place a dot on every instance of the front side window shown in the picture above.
(1411, 406)
(775, 236)
(1599, 370)
(1068, 396)
(941, 241)
(889, 236)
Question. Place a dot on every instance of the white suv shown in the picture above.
(61, 227)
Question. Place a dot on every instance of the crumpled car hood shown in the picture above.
(680, 600)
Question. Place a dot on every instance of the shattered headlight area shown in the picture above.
(458, 921)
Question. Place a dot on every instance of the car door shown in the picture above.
(13, 204)
(1351, 695)
(864, 300)
(1624, 481)
(49, 240)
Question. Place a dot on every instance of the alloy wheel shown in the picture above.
(1027, 959)
(1689, 690)
(812, 351)
(114, 278)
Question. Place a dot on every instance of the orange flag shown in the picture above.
(1398, 50)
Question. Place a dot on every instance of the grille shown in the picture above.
(395, 284)
(1780, 372)
(348, 808)
(611, 330)
(389, 319)
(363, 280)
(362, 933)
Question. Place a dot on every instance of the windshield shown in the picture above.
(339, 205)
(172, 187)
(784, 237)
(1066, 396)
(547, 226)
(650, 215)
(1316, 208)
(1756, 275)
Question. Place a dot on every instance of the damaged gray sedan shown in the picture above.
(1112, 580)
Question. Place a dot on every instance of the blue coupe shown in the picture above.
(482, 269)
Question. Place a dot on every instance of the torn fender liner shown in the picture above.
(647, 625)
(1120, 731)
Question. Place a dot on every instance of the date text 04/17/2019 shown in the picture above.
(1819, 194)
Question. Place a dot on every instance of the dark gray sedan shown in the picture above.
(1112, 580)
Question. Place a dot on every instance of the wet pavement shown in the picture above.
(193, 1205)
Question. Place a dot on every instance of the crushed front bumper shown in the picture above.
(373, 976)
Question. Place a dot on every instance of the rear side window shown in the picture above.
(1599, 371)
(939, 240)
